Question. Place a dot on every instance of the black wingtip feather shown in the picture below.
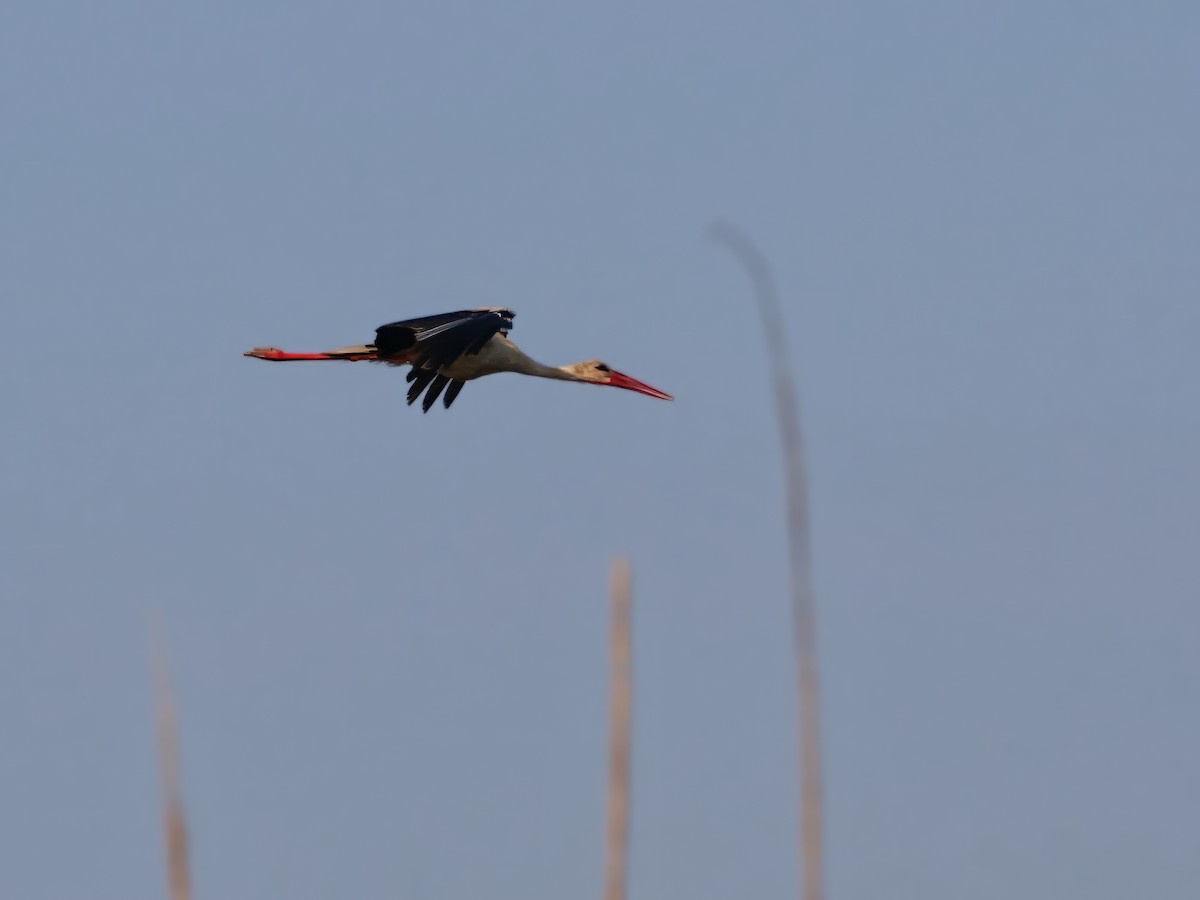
(420, 382)
(452, 392)
(434, 390)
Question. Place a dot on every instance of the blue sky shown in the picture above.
(388, 630)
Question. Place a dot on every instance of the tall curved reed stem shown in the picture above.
(808, 693)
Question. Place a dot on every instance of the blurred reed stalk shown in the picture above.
(808, 695)
(174, 826)
(617, 842)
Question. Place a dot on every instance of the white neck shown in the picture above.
(502, 355)
(526, 365)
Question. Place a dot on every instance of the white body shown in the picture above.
(499, 355)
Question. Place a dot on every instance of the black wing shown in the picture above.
(433, 342)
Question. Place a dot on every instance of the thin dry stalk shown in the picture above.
(617, 846)
(174, 825)
(787, 409)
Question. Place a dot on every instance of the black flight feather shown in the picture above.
(452, 392)
(434, 389)
(420, 382)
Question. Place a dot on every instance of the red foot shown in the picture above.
(276, 355)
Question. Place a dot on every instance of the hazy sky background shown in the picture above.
(389, 630)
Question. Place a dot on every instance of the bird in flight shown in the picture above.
(448, 350)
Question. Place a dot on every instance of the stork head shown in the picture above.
(595, 372)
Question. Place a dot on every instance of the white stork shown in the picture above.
(454, 348)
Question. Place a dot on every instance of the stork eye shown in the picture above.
(603, 368)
